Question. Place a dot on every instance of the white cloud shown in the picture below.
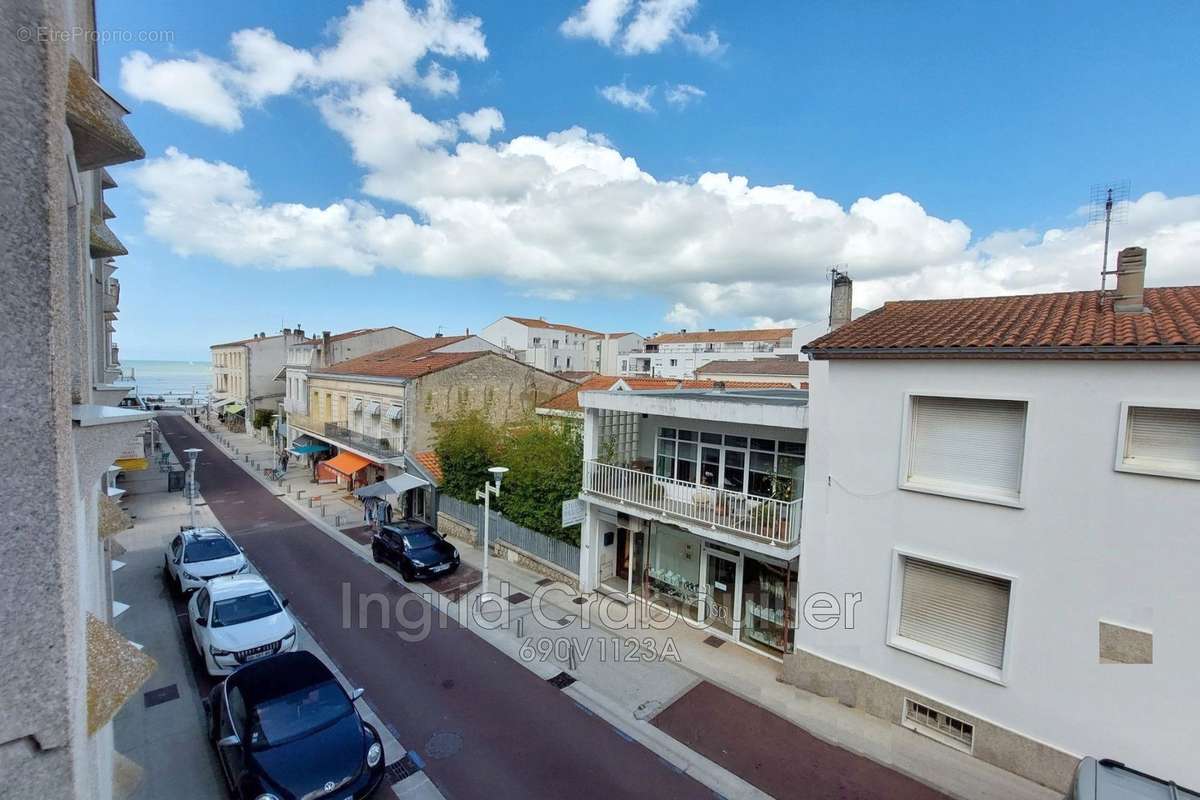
(634, 100)
(681, 95)
(653, 25)
(683, 316)
(377, 42)
(596, 19)
(481, 124)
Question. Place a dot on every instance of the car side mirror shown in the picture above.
(357, 693)
(200, 621)
(286, 602)
(231, 740)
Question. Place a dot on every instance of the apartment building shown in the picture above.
(608, 349)
(305, 354)
(548, 346)
(788, 370)
(680, 354)
(1010, 488)
(67, 671)
(248, 374)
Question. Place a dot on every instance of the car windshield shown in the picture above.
(209, 549)
(246, 608)
(276, 721)
(419, 540)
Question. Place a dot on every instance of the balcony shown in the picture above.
(380, 448)
(763, 518)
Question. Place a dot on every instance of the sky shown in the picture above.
(641, 165)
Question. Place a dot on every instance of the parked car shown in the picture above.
(238, 619)
(285, 728)
(415, 549)
(198, 555)
(1105, 779)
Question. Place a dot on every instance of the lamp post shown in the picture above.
(485, 495)
(275, 434)
(191, 453)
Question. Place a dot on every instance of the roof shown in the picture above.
(278, 676)
(1060, 325)
(250, 340)
(578, 376)
(752, 335)
(530, 322)
(568, 401)
(410, 360)
(363, 331)
(429, 461)
(759, 366)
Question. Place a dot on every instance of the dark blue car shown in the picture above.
(415, 549)
(284, 729)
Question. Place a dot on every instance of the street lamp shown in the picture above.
(191, 453)
(275, 434)
(485, 495)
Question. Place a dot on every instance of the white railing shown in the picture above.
(777, 521)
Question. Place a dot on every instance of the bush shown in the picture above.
(262, 418)
(466, 446)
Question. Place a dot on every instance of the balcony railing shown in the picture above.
(381, 448)
(776, 521)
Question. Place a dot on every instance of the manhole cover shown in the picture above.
(443, 744)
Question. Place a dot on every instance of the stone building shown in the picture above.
(66, 669)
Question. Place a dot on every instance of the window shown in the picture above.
(395, 412)
(1160, 441)
(938, 725)
(951, 615)
(356, 405)
(762, 467)
(965, 447)
(674, 362)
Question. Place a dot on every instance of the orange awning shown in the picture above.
(346, 463)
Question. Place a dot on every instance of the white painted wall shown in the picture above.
(1090, 544)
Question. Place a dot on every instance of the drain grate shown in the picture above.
(158, 696)
(517, 597)
(714, 641)
(545, 582)
(560, 681)
(399, 770)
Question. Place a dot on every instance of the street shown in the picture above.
(485, 726)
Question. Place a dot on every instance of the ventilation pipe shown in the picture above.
(1131, 280)
(841, 300)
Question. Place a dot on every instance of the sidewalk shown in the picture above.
(628, 675)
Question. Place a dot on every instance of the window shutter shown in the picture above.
(1164, 435)
(973, 443)
(954, 610)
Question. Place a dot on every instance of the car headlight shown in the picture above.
(374, 753)
(189, 576)
(218, 653)
(417, 563)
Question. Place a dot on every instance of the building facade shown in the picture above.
(792, 371)
(248, 375)
(67, 671)
(548, 346)
(305, 354)
(1011, 487)
(679, 355)
(693, 502)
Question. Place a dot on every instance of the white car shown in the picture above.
(199, 555)
(239, 619)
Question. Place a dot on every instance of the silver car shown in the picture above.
(198, 555)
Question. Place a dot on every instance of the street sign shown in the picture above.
(573, 512)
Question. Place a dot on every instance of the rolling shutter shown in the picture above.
(973, 443)
(954, 610)
(1168, 436)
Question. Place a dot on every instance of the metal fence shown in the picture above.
(556, 551)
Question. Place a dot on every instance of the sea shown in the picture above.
(170, 380)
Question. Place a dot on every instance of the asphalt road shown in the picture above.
(485, 726)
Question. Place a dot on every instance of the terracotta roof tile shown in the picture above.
(410, 360)
(753, 335)
(530, 322)
(429, 461)
(1056, 325)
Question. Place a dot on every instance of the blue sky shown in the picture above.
(973, 119)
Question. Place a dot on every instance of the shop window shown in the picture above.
(768, 604)
(667, 569)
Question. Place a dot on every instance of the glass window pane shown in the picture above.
(767, 445)
(685, 470)
(687, 450)
(768, 605)
(762, 462)
(796, 448)
(735, 471)
(666, 433)
(735, 441)
(666, 447)
(687, 436)
(665, 467)
(710, 438)
(760, 484)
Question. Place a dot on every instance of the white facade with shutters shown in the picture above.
(993, 514)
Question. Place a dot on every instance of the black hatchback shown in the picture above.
(285, 728)
(415, 549)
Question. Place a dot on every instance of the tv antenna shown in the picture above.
(1110, 204)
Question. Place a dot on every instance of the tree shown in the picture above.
(466, 446)
(546, 464)
(262, 418)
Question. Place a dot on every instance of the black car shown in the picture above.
(415, 549)
(284, 728)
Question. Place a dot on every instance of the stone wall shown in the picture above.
(449, 526)
(454, 528)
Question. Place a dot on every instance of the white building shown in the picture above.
(783, 369)
(549, 346)
(693, 501)
(608, 350)
(248, 373)
(304, 354)
(67, 670)
(679, 355)
(1011, 486)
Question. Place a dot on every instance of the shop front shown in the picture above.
(742, 595)
(349, 471)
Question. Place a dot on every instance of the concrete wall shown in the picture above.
(1090, 544)
(506, 390)
(364, 344)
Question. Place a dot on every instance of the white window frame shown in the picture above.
(906, 441)
(1147, 468)
(937, 654)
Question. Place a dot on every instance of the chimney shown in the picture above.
(841, 300)
(287, 331)
(1131, 280)
(326, 356)
(718, 386)
(437, 335)
(299, 331)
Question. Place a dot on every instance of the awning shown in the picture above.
(395, 412)
(305, 449)
(356, 405)
(234, 408)
(398, 484)
(224, 402)
(282, 374)
(346, 463)
(373, 408)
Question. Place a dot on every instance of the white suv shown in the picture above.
(239, 619)
(199, 555)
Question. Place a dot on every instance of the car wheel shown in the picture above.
(376, 556)
(407, 574)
